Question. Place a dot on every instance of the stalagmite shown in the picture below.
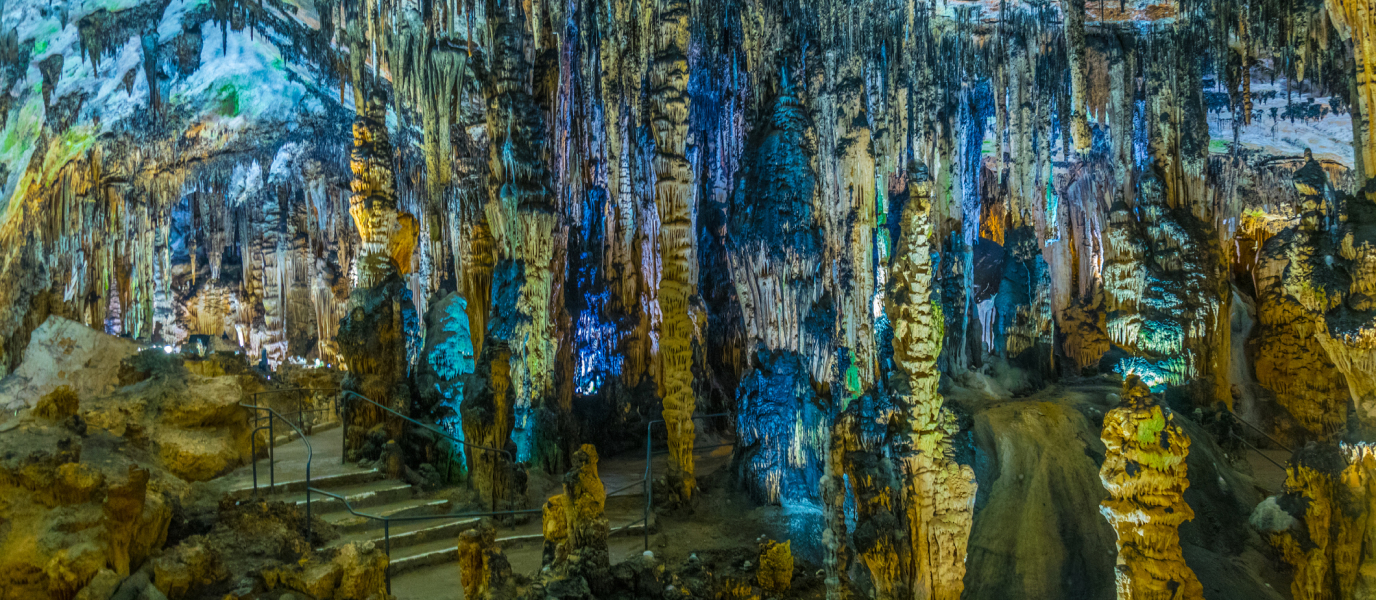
(1145, 474)
(673, 194)
(484, 571)
(1320, 521)
(939, 493)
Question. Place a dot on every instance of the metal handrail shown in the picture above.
(253, 444)
(387, 525)
(345, 420)
(432, 428)
(1263, 433)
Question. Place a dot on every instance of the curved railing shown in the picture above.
(253, 444)
(342, 407)
(344, 418)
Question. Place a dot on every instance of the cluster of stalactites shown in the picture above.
(1146, 476)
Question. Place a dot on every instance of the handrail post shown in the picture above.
(272, 456)
(649, 488)
(343, 428)
(308, 503)
(253, 449)
(387, 547)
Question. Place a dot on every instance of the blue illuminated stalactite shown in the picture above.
(451, 359)
(596, 359)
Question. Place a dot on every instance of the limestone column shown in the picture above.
(674, 198)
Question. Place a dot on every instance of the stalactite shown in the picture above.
(1145, 474)
(1079, 74)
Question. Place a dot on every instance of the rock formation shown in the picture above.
(901, 245)
(1319, 521)
(483, 570)
(675, 200)
(1146, 477)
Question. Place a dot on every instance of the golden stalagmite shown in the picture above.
(484, 571)
(775, 574)
(1145, 474)
(574, 523)
(939, 493)
(674, 198)
(1321, 520)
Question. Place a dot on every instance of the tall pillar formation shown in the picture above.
(674, 198)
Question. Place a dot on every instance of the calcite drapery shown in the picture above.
(675, 200)
(1145, 474)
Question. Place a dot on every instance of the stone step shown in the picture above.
(347, 522)
(431, 553)
(294, 486)
(366, 495)
(409, 533)
(290, 435)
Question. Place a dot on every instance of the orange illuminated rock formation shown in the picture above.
(1145, 474)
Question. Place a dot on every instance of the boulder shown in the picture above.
(62, 352)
